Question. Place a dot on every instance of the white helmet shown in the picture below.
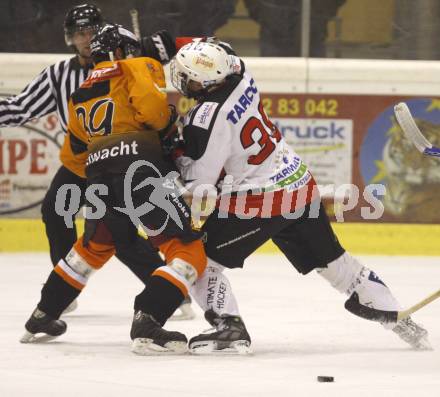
(206, 63)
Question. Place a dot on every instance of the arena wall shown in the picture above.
(338, 115)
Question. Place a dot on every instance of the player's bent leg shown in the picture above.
(134, 251)
(140, 257)
(213, 292)
(137, 253)
(312, 244)
(164, 292)
(63, 286)
(60, 237)
(347, 275)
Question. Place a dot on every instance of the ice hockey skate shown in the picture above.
(150, 338)
(230, 336)
(413, 334)
(184, 311)
(42, 328)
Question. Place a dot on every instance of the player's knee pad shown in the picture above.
(213, 290)
(179, 273)
(94, 253)
(74, 269)
(184, 269)
(197, 256)
(192, 253)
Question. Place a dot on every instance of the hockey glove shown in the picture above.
(171, 138)
(160, 46)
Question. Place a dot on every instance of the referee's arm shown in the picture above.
(35, 101)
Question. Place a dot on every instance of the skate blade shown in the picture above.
(239, 347)
(36, 338)
(423, 345)
(186, 313)
(146, 347)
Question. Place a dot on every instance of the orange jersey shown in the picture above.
(118, 97)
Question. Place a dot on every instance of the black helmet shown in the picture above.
(84, 16)
(110, 37)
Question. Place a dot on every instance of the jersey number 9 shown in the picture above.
(100, 118)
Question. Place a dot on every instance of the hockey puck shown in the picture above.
(326, 379)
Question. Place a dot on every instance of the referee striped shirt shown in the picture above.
(50, 91)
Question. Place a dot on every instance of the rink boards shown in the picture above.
(21, 235)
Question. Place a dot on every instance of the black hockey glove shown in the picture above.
(171, 139)
(160, 46)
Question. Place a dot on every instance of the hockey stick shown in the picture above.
(135, 22)
(354, 306)
(412, 132)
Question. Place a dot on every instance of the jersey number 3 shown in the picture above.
(269, 132)
(100, 118)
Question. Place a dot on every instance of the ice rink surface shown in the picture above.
(298, 325)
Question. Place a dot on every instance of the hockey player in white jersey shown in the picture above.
(268, 193)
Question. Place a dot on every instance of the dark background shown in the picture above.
(369, 29)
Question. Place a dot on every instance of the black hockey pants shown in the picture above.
(140, 257)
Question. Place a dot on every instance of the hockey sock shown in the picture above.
(56, 295)
(348, 275)
(169, 284)
(213, 291)
(160, 299)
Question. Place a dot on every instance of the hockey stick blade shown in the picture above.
(412, 132)
(383, 316)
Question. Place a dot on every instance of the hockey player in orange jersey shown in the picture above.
(97, 111)
(51, 90)
(114, 119)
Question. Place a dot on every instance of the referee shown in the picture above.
(48, 92)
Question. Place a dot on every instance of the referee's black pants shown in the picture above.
(139, 256)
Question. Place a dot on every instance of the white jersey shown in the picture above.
(230, 133)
